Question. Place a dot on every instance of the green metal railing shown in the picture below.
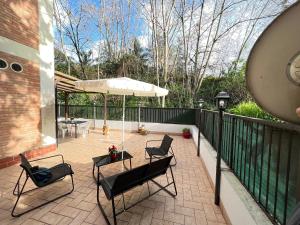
(153, 115)
(263, 155)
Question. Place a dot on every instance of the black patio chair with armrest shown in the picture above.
(41, 177)
(161, 151)
(122, 182)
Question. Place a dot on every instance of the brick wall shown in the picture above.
(19, 21)
(11, 160)
(19, 108)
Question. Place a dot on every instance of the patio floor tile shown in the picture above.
(193, 204)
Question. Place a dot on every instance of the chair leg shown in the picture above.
(21, 192)
(19, 195)
(18, 185)
(172, 153)
(124, 206)
(167, 177)
(173, 179)
(148, 188)
(98, 201)
(63, 133)
(114, 210)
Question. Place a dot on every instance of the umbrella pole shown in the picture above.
(123, 125)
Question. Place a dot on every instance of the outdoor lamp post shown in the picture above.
(222, 101)
(201, 101)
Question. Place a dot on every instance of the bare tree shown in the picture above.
(190, 39)
(216, 35)
(113, 20)
(59, 27)
(73, 27)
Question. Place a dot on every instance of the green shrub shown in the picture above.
(251, 109)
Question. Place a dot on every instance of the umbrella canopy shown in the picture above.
(121, 86)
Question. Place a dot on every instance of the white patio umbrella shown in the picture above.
(121, 86)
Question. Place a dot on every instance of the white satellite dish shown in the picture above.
(273, 66)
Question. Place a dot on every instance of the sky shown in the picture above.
(139, 27)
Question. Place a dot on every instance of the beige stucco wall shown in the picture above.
(46, 56)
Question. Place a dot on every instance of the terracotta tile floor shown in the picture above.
(193, 204)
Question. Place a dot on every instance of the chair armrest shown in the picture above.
(152, 141)
(69, 165)
(58, 155)
(104, 179)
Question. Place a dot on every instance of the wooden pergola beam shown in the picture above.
(66, 83)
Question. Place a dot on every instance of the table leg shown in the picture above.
(123, 161)
(94, 172)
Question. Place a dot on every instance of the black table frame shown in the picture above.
(97, 179)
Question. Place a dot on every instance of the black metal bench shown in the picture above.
(56, 173)
(122, 182)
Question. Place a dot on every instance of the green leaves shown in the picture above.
(251, 109)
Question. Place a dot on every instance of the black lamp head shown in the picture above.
(200, 102)
(222, 100)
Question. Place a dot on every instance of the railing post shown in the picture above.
(218, 166)
(232, 140)
(213, 129)
(204, 123)
(56, 115)
(199, 132)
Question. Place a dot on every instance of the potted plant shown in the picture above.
(142, 130)
(112, 150)
(186, 133)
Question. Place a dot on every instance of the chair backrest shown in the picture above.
(61, 125)
(139, 175)
(129, 179)
(158, 167)
(166, 143)
(59, 119)
(25, 164)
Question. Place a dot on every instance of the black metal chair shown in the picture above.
(41, 177)
(161, 151)
(122, 182)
